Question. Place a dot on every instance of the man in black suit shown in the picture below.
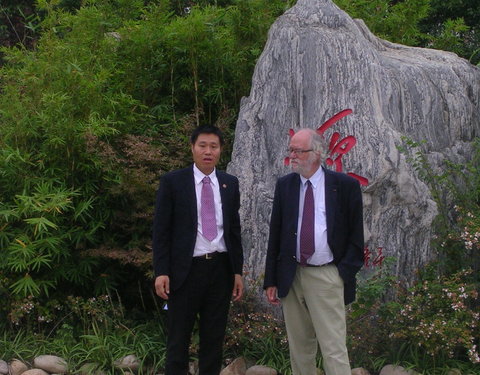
(313, 273)
(197, 253)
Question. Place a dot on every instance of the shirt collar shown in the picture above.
(316, 179)
(199, 175)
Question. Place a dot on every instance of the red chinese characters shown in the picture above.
(377, 260)
(337, 147)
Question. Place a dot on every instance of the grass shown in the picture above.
(147, 341)
(102, 347)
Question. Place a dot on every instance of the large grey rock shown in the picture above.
(17, 367)
(317, 62)
(51, 363)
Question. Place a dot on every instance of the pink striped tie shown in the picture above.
(307, 230)
(207, 211)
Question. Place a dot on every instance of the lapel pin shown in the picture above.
(224, 186)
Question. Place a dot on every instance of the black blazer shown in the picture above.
(175, 224)
(343, 201)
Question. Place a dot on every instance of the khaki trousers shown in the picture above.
(314, 310)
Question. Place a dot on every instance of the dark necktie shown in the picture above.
(307, 231)
(207, 211)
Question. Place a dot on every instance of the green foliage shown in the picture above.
(441, 316)
(98, 349)
(450, 25)
(54, 99)
(430, 327)
(81, 313)
(368, 317)
(256, 335)
(19, 24)
(456, 190)
(440, 313)
(92, 115)
(446, 16)
(395, 21)
(451, 37)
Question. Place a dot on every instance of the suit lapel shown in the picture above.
(223, 187)
(330, 200)
(191, 195)
(295, 198)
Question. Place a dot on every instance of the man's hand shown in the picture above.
(162, 286)
(237, 288)
(272, 297)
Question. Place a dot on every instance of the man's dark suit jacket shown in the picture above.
(175, 225)
(344, 210)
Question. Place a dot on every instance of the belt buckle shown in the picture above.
(208, 256)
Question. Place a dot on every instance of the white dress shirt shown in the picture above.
(202, 245)
(322, 254)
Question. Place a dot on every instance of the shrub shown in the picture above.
(442, 316)
(93, 115)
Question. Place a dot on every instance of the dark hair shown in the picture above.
(206, 129)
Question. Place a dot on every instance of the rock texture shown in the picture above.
(35, 371)
(17, 367)
(359, 371)
(51, 363)
(3, 367)
(260, 370)
(237, 367)
(317, 62)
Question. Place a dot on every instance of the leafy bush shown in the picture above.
(396, 21)
(255, 334)
(368, 317)
(442, 316)
(93, 115)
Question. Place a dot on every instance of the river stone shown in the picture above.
(35, 371)
(3, 367)
(237, 367)
(359, 371)
(51, 363)
(260, 370)
(17, 367)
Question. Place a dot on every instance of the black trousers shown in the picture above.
(205, 294)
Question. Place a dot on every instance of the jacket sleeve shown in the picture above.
(162, 228)
(273, 248)
(353, 259)
(235, 232)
